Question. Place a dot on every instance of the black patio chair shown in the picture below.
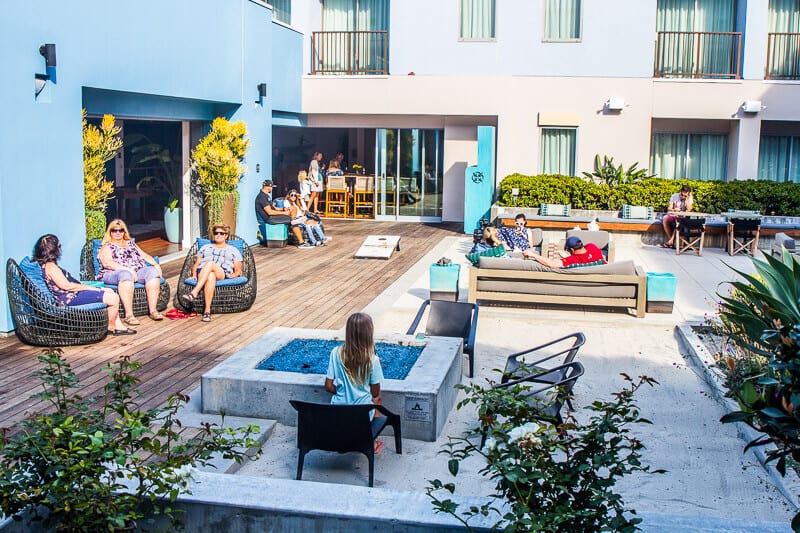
(513, 363)
(342, 428)
(548, 397)
(90, 265)
(230, 295)
(689, 235)
(450, 319)
(743, 234)
(39, 320)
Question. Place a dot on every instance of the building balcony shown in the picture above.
(688, 54)
(783, 56)
(350, 52)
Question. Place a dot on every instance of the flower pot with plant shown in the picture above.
(218, 163)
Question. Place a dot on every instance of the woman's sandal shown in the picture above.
(206, 317)
(188, 297)
(156, 316)
(118, 332)
(377, 446)
(132, 321)
(665, 245)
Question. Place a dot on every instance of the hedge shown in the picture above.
(709, 196)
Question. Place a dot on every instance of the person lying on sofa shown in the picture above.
(580, 254)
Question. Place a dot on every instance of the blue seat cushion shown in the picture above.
(89, 307)
(136, 285)
(236, 243)
(96, 245)
(33, 271)
(227, 282)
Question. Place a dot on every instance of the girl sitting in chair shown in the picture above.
(354, 371)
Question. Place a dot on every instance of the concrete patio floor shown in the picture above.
(709, 485)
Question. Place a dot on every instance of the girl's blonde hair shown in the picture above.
(359, 348)
(490, 236)
(302, 175)
(333, 163)
(116, 224)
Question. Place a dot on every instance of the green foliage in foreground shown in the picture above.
(549, 479)
(69, 467)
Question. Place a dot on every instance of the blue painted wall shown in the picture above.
(479, 181)
(180, 59)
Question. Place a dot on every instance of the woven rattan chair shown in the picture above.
(231, 295)
(90, 266)
(40, 320)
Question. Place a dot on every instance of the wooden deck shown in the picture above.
(313, 288)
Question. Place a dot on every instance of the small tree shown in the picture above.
(100, 145)
(549, 479)
(218, 163)
(72, 463)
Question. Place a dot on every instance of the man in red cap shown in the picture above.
(579, 254)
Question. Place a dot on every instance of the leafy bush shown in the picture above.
(71, 463)
(763, 318)
(709, 196)
(549, 479)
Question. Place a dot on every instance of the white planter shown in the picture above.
(172, 224)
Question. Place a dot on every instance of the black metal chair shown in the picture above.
(548, 398)
(450, 319)
(230, 296)
(689, 235)
(90, 265)
(743, 235)
(40, 320)
(342, 428)
(514, 364)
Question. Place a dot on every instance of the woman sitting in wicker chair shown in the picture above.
(69, 291)
(216, 261)
(122, 264)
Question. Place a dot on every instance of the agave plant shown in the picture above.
(764, 318)
(606, 172)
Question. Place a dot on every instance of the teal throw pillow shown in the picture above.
(497, 251)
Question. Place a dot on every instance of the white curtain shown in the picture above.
(773, 157)
(339, 15)
(558, 151)
(477, 19)
(562, 19)
(359, 52)
(708, 157)
(282, 10)
(784, 17)
(668, 155)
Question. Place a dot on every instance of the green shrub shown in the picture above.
(709, 196)
(95, 224)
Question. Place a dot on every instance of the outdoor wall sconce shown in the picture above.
(752, 106)
(262, 93)
(48, 52)
(615, 104)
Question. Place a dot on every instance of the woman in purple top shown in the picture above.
(69, 291)
(122, 264)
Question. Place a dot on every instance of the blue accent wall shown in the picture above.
(175, 60)
(479, 181)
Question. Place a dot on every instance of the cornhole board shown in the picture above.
(378, 247)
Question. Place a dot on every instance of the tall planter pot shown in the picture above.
(172, 224)
(229, 213)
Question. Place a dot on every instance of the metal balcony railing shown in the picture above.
(783, 56)
(350, 52)
(693, 54)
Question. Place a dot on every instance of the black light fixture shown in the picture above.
(262, 93)
(48, 52)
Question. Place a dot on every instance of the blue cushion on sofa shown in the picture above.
(33, 271)
(227, 282)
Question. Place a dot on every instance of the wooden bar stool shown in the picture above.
(336, 197)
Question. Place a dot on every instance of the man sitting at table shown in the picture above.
(579, 254)
(267, 213)
(680, 201)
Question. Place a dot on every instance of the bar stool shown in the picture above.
(336, 197)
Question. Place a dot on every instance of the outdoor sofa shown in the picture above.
(501, 279)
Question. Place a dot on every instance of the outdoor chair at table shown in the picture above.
(363, 197)
(231, 295)
(342, 428)
(743, 232)
(450, 319)
(546, 392)
(90, 266)
(336, 197)
(39, 319)
(690, 232)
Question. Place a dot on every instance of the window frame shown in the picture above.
(541, 148)
(577, 39)
(461, 39)
(689, 135)
(276, 19)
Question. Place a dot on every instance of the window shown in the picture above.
(477, 20)
(689, 155)
(558, 151)
(282, 10)
(562, 20)
(783, 40)
(779, 158)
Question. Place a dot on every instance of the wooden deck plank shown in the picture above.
(316, 288)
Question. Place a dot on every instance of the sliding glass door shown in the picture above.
(409, 174)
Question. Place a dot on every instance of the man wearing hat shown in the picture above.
(579, 254)
(267, 213)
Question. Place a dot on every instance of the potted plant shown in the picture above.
(158, 169)
(100, 145)
(104, 465)
(218, 164)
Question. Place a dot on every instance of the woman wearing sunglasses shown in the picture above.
(214, 262)
(518, 239)
(123, 263)
(311, 227)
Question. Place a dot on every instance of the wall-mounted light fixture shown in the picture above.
(262, 93)
(752, 106)
(615, 104)
(48, 52)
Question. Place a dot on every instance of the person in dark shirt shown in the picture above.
(579, 254)
(267, 213)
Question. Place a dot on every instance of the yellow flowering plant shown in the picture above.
(100, 145)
